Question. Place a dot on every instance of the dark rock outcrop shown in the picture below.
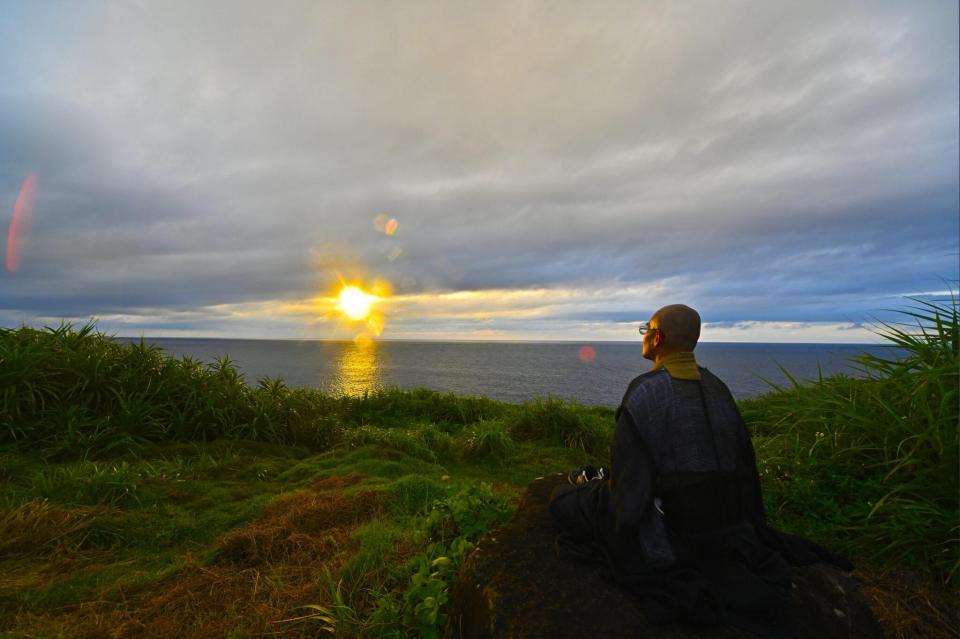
(513, 585)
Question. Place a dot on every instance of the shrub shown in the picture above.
(468, 510)
(870, 465)
(413, 494)
(395, 407)
(484, 440)
(565, 424)
(76, 393)
(405, 441)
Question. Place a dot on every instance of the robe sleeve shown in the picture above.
(637, 524)
(631, 474)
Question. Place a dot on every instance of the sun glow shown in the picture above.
(355, 303)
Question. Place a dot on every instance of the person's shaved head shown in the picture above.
(680, 326)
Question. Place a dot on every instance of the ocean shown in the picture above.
(590, 373)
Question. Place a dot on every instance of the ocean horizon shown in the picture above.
(592, 373)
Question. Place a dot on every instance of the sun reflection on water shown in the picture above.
(358, 369)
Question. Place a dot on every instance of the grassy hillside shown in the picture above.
(147, 496)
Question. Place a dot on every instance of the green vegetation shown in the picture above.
(869, 466)
(142, 495)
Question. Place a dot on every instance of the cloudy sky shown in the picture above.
(555, 170)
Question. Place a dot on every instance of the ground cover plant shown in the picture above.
(142, 495)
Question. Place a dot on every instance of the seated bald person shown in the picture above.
(678, 519)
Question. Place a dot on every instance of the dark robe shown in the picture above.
(681, 522)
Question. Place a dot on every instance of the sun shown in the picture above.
(355, 303)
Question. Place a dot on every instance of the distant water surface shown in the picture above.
(508, 371)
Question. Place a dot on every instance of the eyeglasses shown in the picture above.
(646, 328)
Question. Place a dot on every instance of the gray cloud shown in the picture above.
(769, 162)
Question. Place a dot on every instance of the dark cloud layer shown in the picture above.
(766, 162)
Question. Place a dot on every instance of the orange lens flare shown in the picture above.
(587, 354)
(20, 221)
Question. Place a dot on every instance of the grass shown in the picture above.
(870, 465)
(142, 495)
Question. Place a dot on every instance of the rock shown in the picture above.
(513, 585)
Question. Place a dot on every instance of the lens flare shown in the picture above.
(375, 323)
(355, 303)
(20, 221)
(390, 228)
(587, 354)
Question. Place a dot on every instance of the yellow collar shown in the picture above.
(680, 365)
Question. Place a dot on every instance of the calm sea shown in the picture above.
(510, 371)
